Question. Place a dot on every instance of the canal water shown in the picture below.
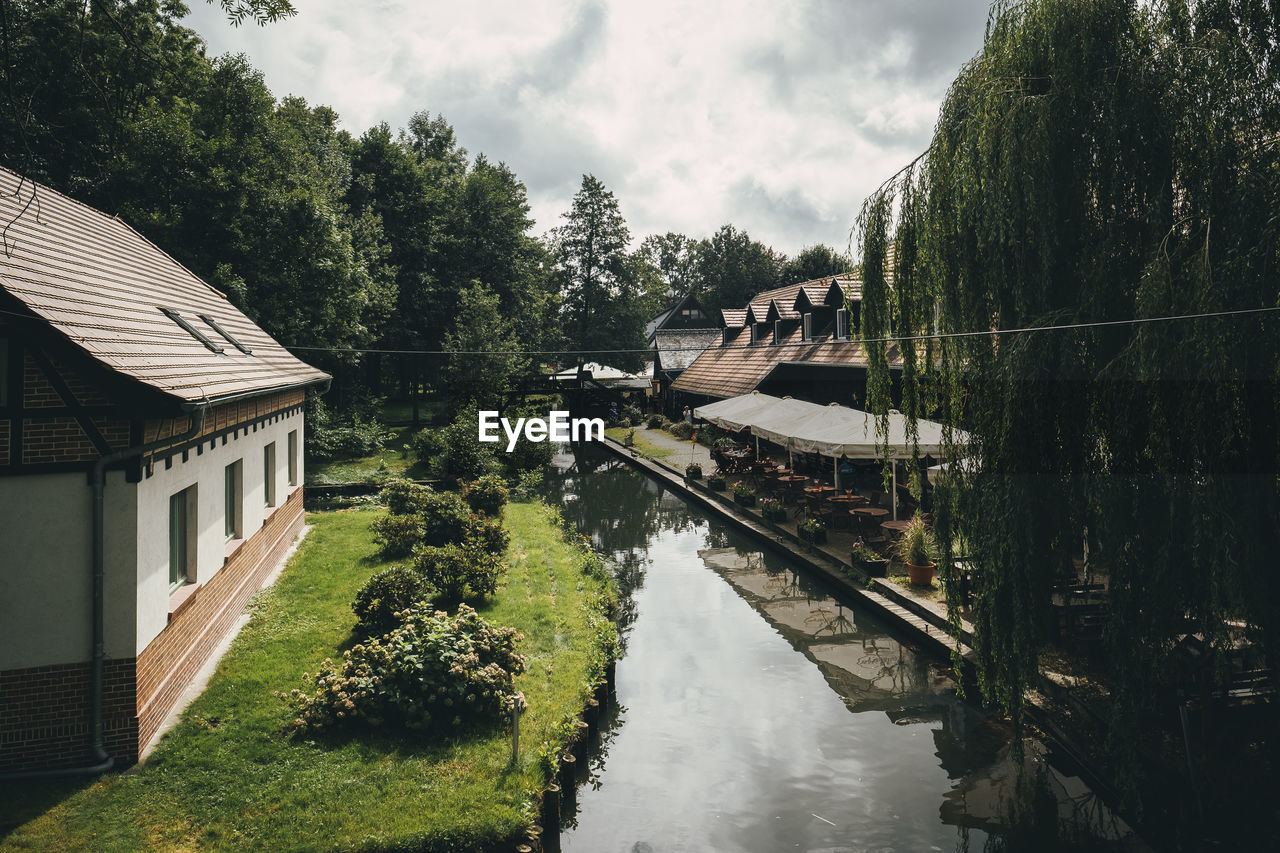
(757, 713)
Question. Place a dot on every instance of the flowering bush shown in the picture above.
(458, 572)
(384, 597)
(434, 672)
(488, 495)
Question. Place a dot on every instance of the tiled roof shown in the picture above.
(734, 318)
(739, 368)
(103, 285)
(677, 348)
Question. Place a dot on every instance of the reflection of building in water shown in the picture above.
(865, 666)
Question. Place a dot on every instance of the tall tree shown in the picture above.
(1099, 162)
(483, 349)
(813, 262)
(600, 282)
(733, 268)
(676, 259)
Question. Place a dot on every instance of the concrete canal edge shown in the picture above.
(923, 626)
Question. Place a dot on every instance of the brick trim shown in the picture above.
(169, 662)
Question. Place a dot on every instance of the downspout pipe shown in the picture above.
(100, 761)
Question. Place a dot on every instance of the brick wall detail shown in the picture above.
(44, 711)
(167, 665)
(44, 715)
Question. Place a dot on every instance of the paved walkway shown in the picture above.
(683, 452)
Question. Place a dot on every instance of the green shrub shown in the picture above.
(488, 495)
(487, 534)
(384, 597)
(682, 430)
(529, 455)
(709, 434)
(632, 413)
(529, 487)
(433, 673)
(351, 437)
(427, 444)
(655, 422)
(465, 456)
(397, 535)
(458, 572)
(445, 518)
(403, 497)
(693, 471)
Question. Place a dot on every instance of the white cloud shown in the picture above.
(778, 118)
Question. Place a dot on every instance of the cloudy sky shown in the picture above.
(777, 117)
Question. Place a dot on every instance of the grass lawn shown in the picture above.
(394, 460)
(228, 778)
(645, 446)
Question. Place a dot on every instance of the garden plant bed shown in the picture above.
(228, 778)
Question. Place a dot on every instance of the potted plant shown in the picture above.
(715, 483)
(693, 471)
(743, 495)
(772, 510)
(863, 557)
(917, 549)
(813, 531)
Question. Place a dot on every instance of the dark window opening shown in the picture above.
(191, 330)
(213, 324)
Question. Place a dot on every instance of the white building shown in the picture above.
(150, 478)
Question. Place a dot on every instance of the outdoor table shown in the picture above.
(894, 528)
(870, 511)
(847, 501)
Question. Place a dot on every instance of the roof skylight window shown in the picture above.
(191, 330)
(214, 325)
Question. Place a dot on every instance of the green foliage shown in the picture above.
(434, 673)
(676, 259)
(445, 516)
(351, 437)
(733, 268)
(483, 345)
(917, 546)
(715, 483)
(487, 495)
(693, 471)
(488, 535)
(465, 457)
(458, 571)
(601, 283)
(427, 444)
(1099, 162)
(403, 497)
(682, 430)
(529, 486)
(742, 488)
(811, 526)
(398, 535)
(656, 422)
(383, 600)
(817, 261)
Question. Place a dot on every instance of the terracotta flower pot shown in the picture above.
(921, 575)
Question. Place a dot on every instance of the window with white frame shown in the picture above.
(293, 457)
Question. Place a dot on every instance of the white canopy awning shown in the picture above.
(828, 430)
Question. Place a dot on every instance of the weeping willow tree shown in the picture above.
(1098, 161)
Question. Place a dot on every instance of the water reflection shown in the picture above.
(761, 714)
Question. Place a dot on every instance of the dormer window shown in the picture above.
(191, 330)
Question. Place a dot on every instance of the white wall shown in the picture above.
(46, 561)
(205, 470)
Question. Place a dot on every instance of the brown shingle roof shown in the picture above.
(102, 285)
(739, 368)
(734, 318)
